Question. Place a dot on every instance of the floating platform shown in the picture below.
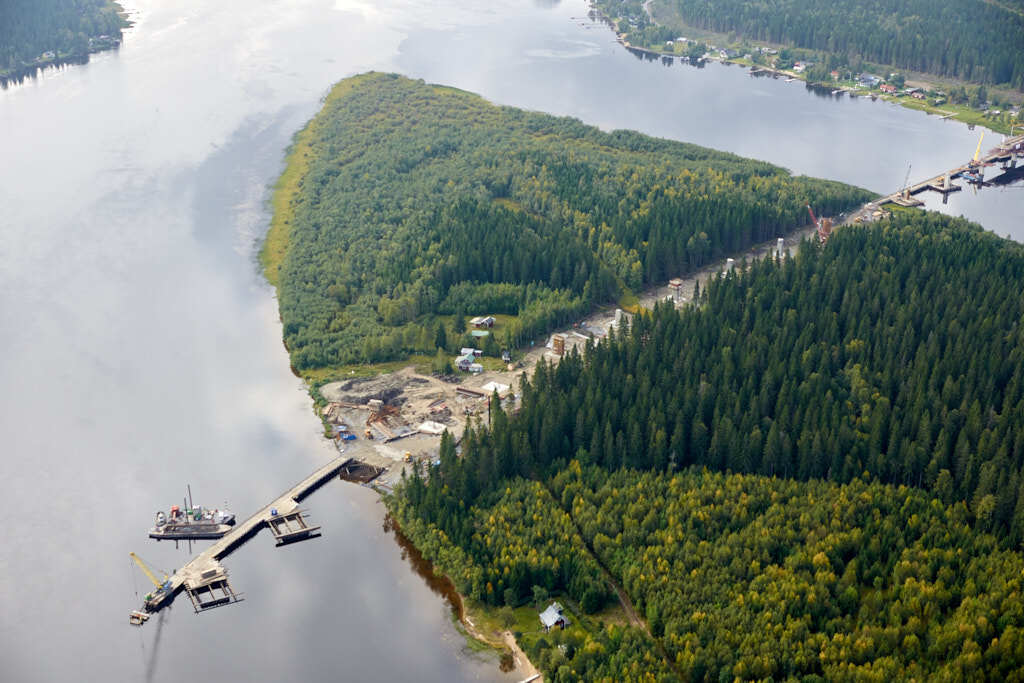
(208, 532)
(291, 528)
(211, 589)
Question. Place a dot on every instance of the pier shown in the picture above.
(205, 580)
(1004, 157)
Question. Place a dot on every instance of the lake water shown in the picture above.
(140, 347)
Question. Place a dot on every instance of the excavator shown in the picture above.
(152, 600)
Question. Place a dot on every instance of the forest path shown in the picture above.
(627, 604)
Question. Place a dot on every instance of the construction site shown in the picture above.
(388, 422)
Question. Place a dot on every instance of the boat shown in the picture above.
(197, 523)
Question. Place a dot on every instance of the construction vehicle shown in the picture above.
(368, 433)
(407, 457)
(153, 601)
(822, 225)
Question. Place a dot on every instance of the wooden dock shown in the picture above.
(205, 580)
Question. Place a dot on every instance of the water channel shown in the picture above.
(140, 347)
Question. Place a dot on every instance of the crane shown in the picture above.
(906, 179)
(823, 226)
(977, 152)
(162, 586)
(975, 173)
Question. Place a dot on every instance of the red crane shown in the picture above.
(823, 225)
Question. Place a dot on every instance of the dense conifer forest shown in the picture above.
(409, 201)
(28, 28)
(813, 472)
(973, 40)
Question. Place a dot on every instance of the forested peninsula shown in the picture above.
(40, 32)
(973, 40)
(813, 472)
(405, 206)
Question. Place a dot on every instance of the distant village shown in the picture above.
(96, 44)
(975, 104)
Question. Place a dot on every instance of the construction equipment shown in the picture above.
(822, 225)
(906, 180)
(137, 617)
(976, 174)
(977, 152)
(368, 433)
(163, 585)
(152, 600)
(381, 413)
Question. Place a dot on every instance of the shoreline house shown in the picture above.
(554, 616)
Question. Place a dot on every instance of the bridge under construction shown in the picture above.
(1004, 157)
(205, 580)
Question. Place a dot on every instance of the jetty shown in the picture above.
(205, 580)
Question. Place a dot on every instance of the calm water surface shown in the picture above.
(140, 348)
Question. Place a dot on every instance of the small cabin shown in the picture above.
(483, 321)
(554, 616)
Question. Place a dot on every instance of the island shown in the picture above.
(803, 464)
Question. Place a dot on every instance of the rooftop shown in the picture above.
(552, 615)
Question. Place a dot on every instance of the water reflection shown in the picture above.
(441, 585)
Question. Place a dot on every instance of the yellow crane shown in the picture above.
(978, 151)
(164, 585)
(152, 600)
